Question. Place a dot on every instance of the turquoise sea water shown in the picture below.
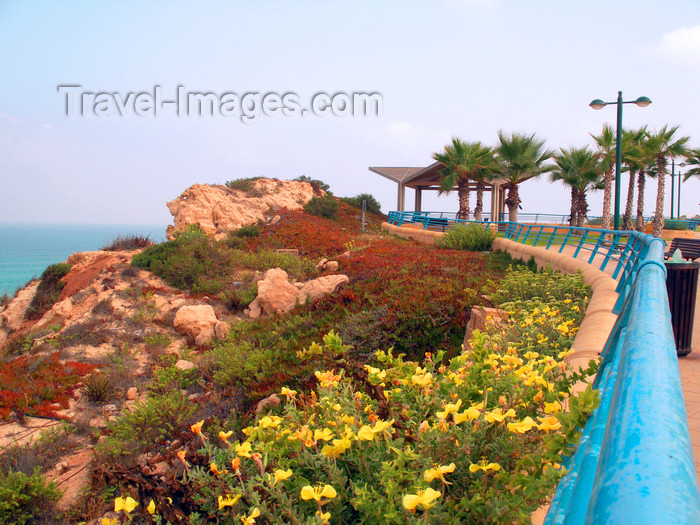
(27, 249)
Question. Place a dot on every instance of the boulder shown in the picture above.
(221, 330)
(275, 292)
(196, 322)
(218, 209)
(183, 364)
(321, 286)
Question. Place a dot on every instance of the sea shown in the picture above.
(27, 249)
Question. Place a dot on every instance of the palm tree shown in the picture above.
(692, 159)
(464, 161)
(633, 156)
(606, 155)
(580, 169)
(485, 169)
(520, 157)
(663, 145)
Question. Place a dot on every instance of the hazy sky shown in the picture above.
(452, 67)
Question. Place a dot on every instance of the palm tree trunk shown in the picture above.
(479, 200)
(574, 199)
(627, 217)
(641, 182)
(463, 196)
(581, 209)
(659, 212)
(607, 191)
(512, 201)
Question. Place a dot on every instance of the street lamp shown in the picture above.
(642, 102)
(673, 178)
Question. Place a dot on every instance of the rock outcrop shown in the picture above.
(12, 316)
(219, 209)
(277, 295)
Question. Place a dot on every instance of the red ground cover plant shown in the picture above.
(314, 236)
(40, 386)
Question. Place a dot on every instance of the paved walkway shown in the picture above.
(690, 376)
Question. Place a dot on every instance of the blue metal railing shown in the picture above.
(634, 462)
(432, 218)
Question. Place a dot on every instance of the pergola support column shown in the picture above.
(418, 202)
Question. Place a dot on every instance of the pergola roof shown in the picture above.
(395, 174)
(416, 177)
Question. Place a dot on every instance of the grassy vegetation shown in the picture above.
(127, 243)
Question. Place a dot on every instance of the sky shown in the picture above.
(465, 68)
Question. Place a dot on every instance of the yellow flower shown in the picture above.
(348, 420)
(324, 435)
(151, 507)
(425, 498)
(236, 464)
(181, 456)
(563, 328)
(215, 470)
(223, 436)
(270, 422)
(243, 449)
(250, 520)
(127, 504)
(325, 516)
(381, 426)
(288, 392)
(423, 427)
(421, 378)
(549, 423)
(197, 427)
(228, 501)
(365, 433)
(319, 491)
(469, 414)
(552, 408)
(522, 426)
(108, 521)
(484, 467)
(531, 355)
(339, 446)
(450, 408)
(281, 475)
(438, 472)
(498, 415)
(327, 379)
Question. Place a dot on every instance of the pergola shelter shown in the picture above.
(428, 178)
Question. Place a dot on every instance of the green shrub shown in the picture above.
(524, 285)
(150, 423)
(371, 206)
(326, 206)
(296, 267)
(27, 499)
(315, 183)
(48, 291)
(246, 185)
(251, 230)
(470, 237)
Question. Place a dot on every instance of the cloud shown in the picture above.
(681, 45)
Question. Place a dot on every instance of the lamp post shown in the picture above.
(642, 102)
(673, 178)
